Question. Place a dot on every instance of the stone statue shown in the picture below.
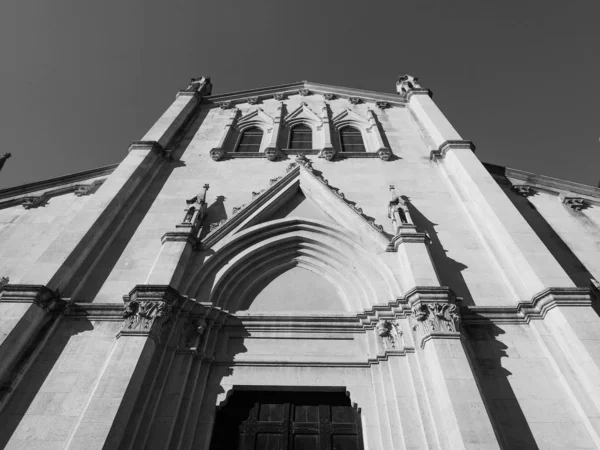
(398, 210)
(196, 209)
(202, 85)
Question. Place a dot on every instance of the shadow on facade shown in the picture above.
(21, 405)
(215, 214)
(85, 290)
(447, 268)
(486, 353)
(553, 242)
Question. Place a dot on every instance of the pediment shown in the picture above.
(302, 114)
(349, 116)
(301, 193)
(254, 117)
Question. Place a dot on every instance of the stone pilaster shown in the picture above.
(459, 413)
(148, 313)
(24, 311)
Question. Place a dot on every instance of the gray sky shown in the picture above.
(80, 80)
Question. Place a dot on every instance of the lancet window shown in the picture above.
(250, 140)
(351, 140)
(301, 137)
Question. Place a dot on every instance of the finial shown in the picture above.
(407, 83)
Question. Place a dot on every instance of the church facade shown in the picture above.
(302, 266)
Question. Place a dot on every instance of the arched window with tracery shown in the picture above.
(351, 140)
(250, 140)
(301, 137)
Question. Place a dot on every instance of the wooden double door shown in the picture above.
(281, 420)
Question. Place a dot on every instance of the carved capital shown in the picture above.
(146, 317)
(328, 153)
(435, 320)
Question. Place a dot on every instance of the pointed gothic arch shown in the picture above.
(230, 276)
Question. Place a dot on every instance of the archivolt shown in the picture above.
(231, 277)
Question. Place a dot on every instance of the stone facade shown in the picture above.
(454, 302)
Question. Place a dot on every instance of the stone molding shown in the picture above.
(40, 295)
(180, 236)
(412, 92)
(575, 203)
(534, 309)
(446, 146)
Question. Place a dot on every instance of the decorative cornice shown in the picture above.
(575, 203)
(451, 145)
(413, 92)
(180, 236)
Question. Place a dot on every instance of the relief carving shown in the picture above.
(390, 333)
(146, 317)
(436, 317)
(328, 96)
(328, 153)
(272, 153)
(217, 153)
(355, 100)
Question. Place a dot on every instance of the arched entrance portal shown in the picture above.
(286, 420)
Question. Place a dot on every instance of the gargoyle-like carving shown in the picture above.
(407, 83)
(397, 210)
(328, 96)
(279, 96)
(33, 201)
(355, 100)
(304, 92)
(146, 317)
(4, 281)
(382, 105)
(257, 193)
(390, 333)
(237, 209)
(201, 85)
(252, 100)
(290, 167)
(328, 153)
(192, 333)
(576, 203)
(225, 105)
(215, 225)
(384, 154)
(436, 317)
(524, 190)
(217, 153)
(82, 189)
(272, 153)
(272, 181)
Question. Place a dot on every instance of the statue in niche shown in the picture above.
(398, 210)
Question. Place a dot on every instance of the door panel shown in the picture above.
(273, 420)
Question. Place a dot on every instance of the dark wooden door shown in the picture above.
(287, 421)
